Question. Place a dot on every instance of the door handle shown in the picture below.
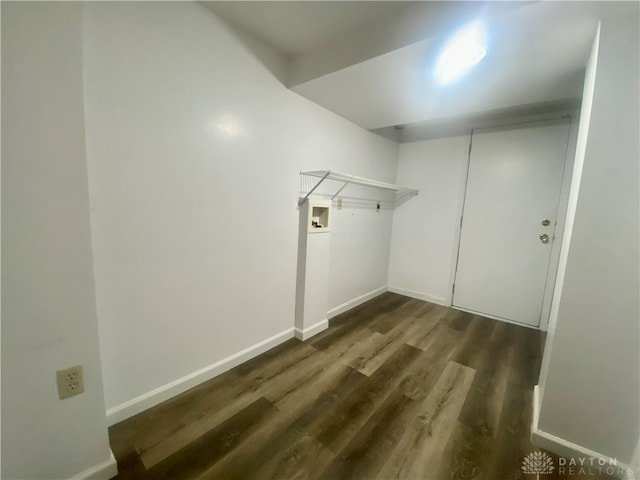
(544, 238)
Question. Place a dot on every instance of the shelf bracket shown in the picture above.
(306, 197)
(338, 192)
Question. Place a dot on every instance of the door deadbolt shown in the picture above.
(544, 238)
(546, 223)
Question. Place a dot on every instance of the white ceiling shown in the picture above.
(372, 62)
(294, 28)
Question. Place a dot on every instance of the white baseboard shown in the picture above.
(324, 324)
(312, 330)
(567, 449)
(355, 302)
(103, 471)
(147, 400)
(536, 408)
(419, 296)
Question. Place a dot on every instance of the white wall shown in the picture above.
(194, 151)
(591, 389)
(48, 311)
(359, 260)
(426, 229)
(572, 202)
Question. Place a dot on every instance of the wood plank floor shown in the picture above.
(395, 388)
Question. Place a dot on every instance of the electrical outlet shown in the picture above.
(70, 381)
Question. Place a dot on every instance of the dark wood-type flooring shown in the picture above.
(395, 388)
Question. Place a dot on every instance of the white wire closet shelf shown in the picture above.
(402, 194)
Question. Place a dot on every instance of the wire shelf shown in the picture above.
(331, 184)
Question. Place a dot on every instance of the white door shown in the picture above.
(511, 203)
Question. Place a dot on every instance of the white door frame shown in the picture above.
(561, 215)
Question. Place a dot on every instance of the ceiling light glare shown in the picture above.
(462, 52)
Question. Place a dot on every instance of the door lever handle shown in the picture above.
(544, 238)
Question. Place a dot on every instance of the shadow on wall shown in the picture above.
(274, 62)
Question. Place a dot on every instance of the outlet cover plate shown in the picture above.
(70, 381)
